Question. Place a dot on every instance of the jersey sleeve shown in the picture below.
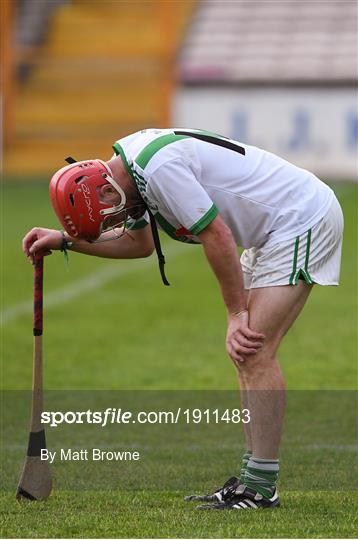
(175, 186)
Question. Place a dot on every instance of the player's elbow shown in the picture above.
(216, 233)
(143, 243)
(145, 246)
(147, 250)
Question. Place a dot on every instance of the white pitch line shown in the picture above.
(94, 281)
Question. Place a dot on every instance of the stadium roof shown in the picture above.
(306, 41)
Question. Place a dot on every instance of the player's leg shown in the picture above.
(277, 295)
(272, 312)
(315, 258)
(255, 264)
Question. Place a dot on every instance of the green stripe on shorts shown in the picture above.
(294, 265)
(308, 247)
(297, 271)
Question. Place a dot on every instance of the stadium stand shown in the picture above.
(104, 70)
(31, 26)
(252, 41)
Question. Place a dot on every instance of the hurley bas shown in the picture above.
(94, 454)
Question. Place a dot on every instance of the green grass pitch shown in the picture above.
(113, 325)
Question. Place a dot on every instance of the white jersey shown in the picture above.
(186, 181)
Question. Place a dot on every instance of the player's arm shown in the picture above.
(132, 245)
(221, 252)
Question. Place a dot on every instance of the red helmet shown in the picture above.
(74, 192)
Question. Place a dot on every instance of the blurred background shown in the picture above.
(79, 74)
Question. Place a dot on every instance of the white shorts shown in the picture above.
(314, 256)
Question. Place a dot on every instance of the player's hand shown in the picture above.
(40, 239)
(240, 339)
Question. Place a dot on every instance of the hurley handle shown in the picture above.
(38, 293)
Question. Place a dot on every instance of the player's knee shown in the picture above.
(259, 362)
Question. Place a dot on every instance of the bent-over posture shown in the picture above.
(203, 188)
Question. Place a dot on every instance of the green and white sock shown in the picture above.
(261, 475)
(244, 462)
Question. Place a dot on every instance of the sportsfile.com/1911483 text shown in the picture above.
(113, 415)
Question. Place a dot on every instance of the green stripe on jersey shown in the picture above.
(166, 226)
(138, 225)
(204, 221)
(138, 179)
(120, 152)
(171, 230)
(152, 148)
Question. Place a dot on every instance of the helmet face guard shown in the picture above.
(124, 219)
(75, 196)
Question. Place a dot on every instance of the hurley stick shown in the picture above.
(35, 481)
